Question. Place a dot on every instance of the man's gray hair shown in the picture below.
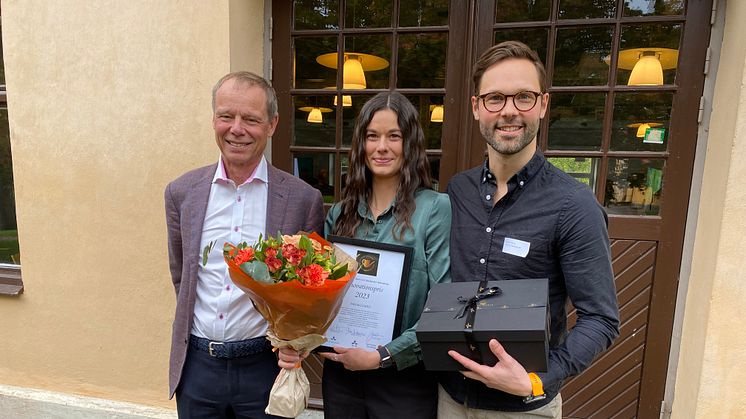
(252, 80)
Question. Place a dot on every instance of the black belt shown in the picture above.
(228, 350)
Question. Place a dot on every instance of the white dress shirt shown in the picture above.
(222, 312)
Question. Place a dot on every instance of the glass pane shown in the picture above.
(9, 251)
(432, 115)
(310, 73)
(317, 170)
(435, 171)
(584, 9)
(316, 14)
(653, 7)
(650, 52)
(583, 169)
(315, 121)
(576, 121)
(536, 38)
(368, 13)
(422, 60)
(349, 114)
(521, 10)
(641, 121)
(344, 161)
(578, 56)
(634, 186)
(423, 13)
(367, 61)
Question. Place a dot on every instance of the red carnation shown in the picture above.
(313, 275)
(244, 255)
(293, 254)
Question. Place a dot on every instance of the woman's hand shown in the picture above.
(354, 359)
(289, 358)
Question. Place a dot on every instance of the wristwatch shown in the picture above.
(386, 359)
(537, 389)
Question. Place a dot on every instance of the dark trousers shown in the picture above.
(379, 394)
(225, 388)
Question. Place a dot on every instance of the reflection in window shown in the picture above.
(374, 55)
(309, 74)
(423, 13)
(634, 186)
(368, 13)
(315, 121)
(432, 115)
(521, 10)
(536, 38)
(583, 169)
(578, 59)
(641, 121)
(316, 14)
(422, 60)
(584, 9)
(653, 7)
(648, 54)
(317, 170)
(576, 121)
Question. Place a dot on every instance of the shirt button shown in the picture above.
(488, 229)
(482, 261)
(520, 183)
(235, 228)
(380, 221)
(488, 197)
(228, 287)
(239, 199)
(221, 316)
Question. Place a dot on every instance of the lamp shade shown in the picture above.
(346, 101)
(436, 115)
(647, 72)
(315, 116)
(641, 130)
(353, 75)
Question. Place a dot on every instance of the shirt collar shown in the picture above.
(524, 175)
(364, 212)
(260, 173)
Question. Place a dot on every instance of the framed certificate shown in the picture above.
(371, 311)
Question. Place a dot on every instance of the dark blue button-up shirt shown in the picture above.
(548, 225)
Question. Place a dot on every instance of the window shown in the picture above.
(10, 255)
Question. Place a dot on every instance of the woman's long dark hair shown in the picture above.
(415, 170)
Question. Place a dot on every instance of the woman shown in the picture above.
(388, 198)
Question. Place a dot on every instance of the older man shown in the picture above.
(221, 363)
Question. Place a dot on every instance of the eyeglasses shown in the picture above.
(523, 101)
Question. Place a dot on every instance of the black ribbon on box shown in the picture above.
(470, 310)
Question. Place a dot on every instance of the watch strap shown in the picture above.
(537, 389)
(386, 359)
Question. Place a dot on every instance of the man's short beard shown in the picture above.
(510, 147)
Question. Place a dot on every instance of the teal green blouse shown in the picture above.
(429, 237)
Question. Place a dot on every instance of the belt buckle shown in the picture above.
(211, 350)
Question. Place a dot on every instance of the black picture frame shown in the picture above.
(390, 253)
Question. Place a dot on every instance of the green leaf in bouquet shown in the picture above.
(305, 244)
(257, 270)
(338, 272)
(206, 252)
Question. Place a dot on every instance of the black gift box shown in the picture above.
(463, 316)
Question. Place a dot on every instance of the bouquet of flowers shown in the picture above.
(297, 284)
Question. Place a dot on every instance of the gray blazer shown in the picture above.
(292, 206)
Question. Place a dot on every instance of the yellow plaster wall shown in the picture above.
(712, 361)
(108, 100)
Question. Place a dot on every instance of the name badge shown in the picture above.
(516, 247)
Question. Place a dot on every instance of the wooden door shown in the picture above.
(633, 144)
